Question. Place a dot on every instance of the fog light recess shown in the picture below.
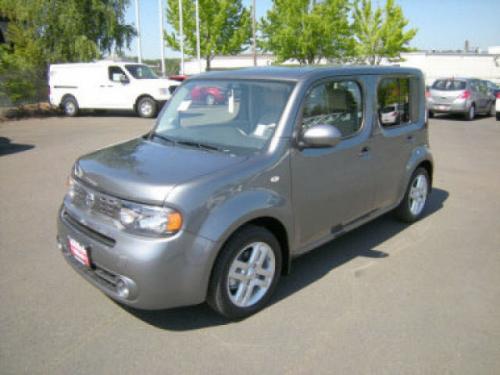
(122, 289)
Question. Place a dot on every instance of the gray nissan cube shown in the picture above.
(218, 198)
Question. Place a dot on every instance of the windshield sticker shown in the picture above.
(184, 106)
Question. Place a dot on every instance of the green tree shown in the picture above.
(41, 32)
(307, 30)
(381, 32)
(225, 27)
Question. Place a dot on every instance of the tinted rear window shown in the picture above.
(448, 85)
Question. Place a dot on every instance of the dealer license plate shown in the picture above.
(79, 251)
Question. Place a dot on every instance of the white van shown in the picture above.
(108, 85)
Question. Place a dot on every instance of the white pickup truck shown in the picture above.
(108, 85)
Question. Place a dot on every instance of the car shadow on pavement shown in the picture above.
(7, 147)
(307, 269)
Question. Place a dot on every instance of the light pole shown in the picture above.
(162, 44)
(181, 34)
(254, 39)
(138, 26)
(197, 15)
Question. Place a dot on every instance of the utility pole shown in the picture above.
(162, 44)
(138, 26)
(197, 15)
(181, 42)
(254, 39)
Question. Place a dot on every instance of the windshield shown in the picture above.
(229, 115)
(449, 85)
(141, 71)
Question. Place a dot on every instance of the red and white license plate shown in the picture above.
(79, 251)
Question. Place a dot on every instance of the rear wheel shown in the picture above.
(246, 273)
(431, 114)
(492, 109)
(70, 106)
(146, 107)
(498, 116)
(471, 113)
(413, 204)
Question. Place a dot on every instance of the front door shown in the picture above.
(332, 186)
(114, 91)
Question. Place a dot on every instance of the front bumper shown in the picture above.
(159, 272)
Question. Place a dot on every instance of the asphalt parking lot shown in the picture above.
(384, 299)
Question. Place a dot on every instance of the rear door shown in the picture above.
(394, 141)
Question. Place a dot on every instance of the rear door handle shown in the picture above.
(364, 151)
(410, 138)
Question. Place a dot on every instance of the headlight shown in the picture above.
(144, 219)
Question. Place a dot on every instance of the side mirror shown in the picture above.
(124, 79)
(321, 136)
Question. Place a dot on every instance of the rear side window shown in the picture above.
(449, 85)
(337, 103)
(397, 101)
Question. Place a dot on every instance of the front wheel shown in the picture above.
(246, 273)
(413, 204)
(146, 107)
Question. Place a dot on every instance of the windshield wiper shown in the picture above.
(203, 146)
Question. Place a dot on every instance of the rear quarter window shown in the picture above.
(397, 99)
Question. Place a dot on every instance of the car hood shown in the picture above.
(143, 171)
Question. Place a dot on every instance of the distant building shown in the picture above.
(434, 64)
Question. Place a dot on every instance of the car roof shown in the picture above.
(303, 73)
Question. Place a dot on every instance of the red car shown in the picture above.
(209, 95)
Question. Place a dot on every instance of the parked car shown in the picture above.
(214, 203)
(209, 95)
(466, 96)
(495, 90)
(390, 114)
(108, 85)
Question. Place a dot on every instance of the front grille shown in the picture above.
(95, 201)
(107, 206)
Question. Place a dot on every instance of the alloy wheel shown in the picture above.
(251, 274)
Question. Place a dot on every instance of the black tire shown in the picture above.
(471, 113)
(492, 110)
(431, 114)
(218, 295)
(147, 107)
(498, 116)
(210, 99)
(70, 106)
(403, 211)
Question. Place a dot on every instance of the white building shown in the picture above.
(433, 64)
